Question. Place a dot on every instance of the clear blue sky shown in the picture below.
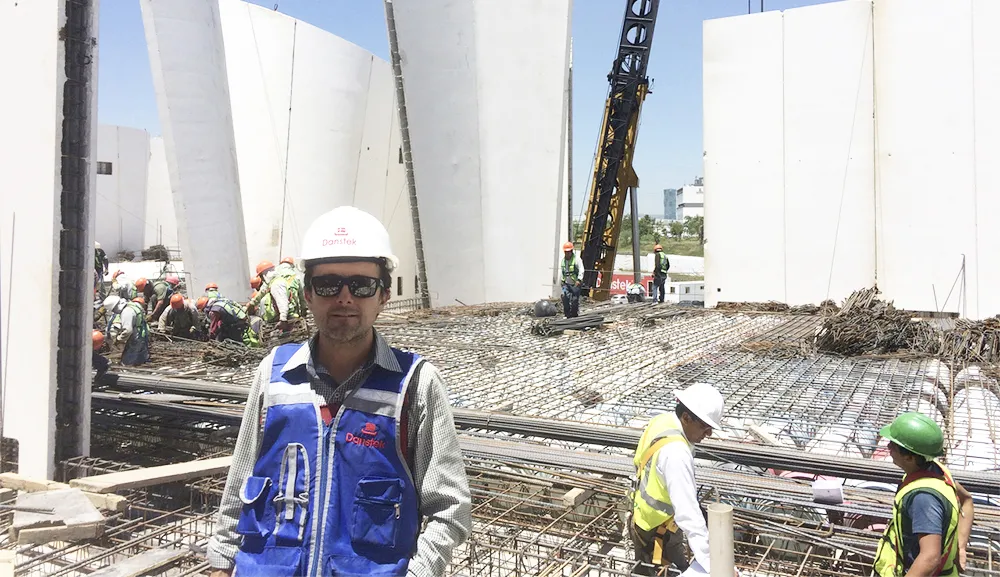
(669, 153)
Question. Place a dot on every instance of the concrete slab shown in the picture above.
(73, 517)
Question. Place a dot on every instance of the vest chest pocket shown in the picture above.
(257, 517)
(376, 513)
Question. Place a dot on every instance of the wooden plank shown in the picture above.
(142, 563)
(575, 496)
(57, 533)
(139, 478)
(15, 481)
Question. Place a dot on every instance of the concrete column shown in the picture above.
(46, 228)
(188, 62)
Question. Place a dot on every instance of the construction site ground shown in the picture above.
(548, 425)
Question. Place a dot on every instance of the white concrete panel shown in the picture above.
(396, 215)
(120, 222)
(926, 152)
(30, 225)
(161, 222)
(188, 65)
(329, 97)
(521, 174)
(743, 158)
(259, 46)
(986, 52)
(829, 214)
(438, 50)
(374, 154)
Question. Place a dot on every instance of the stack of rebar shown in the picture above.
(866, 325)
(548, 327)
(972, 342)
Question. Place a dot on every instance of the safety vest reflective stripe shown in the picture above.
(889, 560)
(665, 508)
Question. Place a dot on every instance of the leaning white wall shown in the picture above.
(31, 125)
(188, 65)
(487, 193)
(315, 127)
(120, 222)
(161, 221)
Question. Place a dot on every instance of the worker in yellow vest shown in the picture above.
(931, 514)
(664, 495)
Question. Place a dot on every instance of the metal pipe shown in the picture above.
(633, 194)
(720, 540)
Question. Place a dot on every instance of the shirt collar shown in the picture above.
(381, 355)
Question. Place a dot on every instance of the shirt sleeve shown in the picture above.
(222, 546)
(279, 294)
(439, 473)
(675, 465)
(162, 323)
(128, 322)
(926, 514)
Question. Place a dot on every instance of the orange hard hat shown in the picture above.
(139, 300)
(264, 266)
(657, 248)
(567, 246)
(255, 282)
(98, 338)
(201, 303)
(211, 287)
(288, 260)
(140, 283)
(177, 301)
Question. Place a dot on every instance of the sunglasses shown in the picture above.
(330, 285)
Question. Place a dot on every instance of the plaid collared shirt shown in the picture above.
(439, 470)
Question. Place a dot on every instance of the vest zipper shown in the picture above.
(317, 539)
(397, 510)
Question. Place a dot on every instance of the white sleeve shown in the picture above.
(675, 465)
(128, 320)
(279, 294)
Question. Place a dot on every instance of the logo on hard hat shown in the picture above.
(336, 241)
(341, 231)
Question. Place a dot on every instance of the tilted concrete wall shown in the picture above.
(121, 196)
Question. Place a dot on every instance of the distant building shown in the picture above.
(691, 200)
(669, 204)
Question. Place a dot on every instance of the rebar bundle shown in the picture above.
(866, 325)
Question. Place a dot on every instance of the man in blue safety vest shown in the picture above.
(347, 462)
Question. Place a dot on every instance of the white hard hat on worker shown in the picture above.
(704, 401)
(346, 233)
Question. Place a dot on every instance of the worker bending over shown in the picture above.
(664, 496)
(572, 273)
(353, 466)
(182, 318)
(127, 326)
(212, 291)
(229, 320)
(931, 514)
(157, 294)
(279, 297)
(661, 265)
(97, 360)
(123, 286)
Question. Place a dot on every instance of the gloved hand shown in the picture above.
(121, 338)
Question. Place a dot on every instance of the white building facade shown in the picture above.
(122, 166)
(837, 173)
(690, 201)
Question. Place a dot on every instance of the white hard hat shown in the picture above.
(97, 244)
(112, 301)
(344, 233)
(704, 400)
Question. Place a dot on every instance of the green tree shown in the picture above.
(695, 226)
(676, 229)
(577, 231)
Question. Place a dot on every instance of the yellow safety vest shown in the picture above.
(651, 506)
(889, 556)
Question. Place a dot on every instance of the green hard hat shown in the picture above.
(917, 433)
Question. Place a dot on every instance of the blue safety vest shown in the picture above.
(333, 499)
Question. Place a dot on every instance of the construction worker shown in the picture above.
(931, 514)
(228, 319)
(100, 269)
(123, 286)
(572, 275)
(212, 291)
(664, 496)
(157, 294)
(280, 297)
(393, 509)
(98, 361)
(127, 325)
(182, 318)
(661, 264)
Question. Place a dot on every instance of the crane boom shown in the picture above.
(613, 175)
